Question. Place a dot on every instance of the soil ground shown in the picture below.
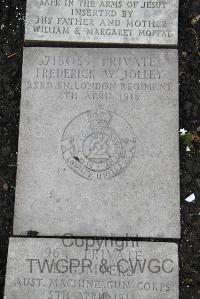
(12, 13)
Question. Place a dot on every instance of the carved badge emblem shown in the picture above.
(98, 144)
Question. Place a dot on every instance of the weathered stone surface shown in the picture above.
(98, 146)
(129, 22)
(64, 269)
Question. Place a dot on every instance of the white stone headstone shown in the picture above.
(98, 143)
(101, 21)
(91, 269)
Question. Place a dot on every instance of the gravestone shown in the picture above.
(101, 21)
(98, 143)
(91, 269)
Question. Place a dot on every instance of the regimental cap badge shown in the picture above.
(98, 144)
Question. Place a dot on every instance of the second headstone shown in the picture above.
(100, 21)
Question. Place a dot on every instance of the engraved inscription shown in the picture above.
(96, 78)
(103, 21)
(56, 269)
